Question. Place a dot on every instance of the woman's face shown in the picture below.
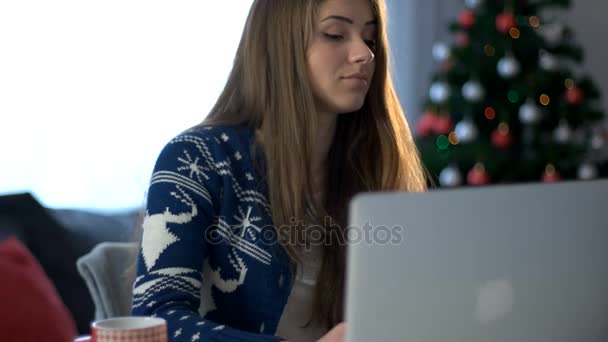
(340, 58)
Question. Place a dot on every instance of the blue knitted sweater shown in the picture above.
(209, 263)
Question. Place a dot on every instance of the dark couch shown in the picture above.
(58, 237)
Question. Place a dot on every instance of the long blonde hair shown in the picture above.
(373, 148)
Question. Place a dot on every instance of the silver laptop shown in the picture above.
(502, 263)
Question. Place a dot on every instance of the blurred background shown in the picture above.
(90, 91)
(512, 97)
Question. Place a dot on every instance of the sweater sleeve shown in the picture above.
(180, 209)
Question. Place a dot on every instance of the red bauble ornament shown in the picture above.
(505, 21)
(574, 96)
(424, 126)
(502, 140)
(502, 137)
(461, 39)
(443, 125)
(467, 19)
(478, 175)
(551, 175)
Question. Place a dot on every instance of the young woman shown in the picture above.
(307, 119)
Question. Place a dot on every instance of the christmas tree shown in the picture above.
(509, 101)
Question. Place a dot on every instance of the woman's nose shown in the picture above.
(361, 53)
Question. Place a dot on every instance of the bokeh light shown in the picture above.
(503, 128)
(544, 99)
(442, 142)
(514, 32)
(534, 21)
(513, 96)
(453, 138)
(490, 113)
(489, 50)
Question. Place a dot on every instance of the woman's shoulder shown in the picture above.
(219, 134)
(212, 143)
(205, 152)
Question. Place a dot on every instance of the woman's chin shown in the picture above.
(349, 107)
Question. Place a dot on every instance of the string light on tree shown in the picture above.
(473, 91)
(534, 21)
(569, 83)
(489, 113)
(453, 138)
(513, 96)
(489, 50)
(514, 33)
(450, 176)
(442, 142)
(544, 99)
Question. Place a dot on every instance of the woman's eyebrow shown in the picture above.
(348, 20)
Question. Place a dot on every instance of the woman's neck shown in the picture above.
(324, 137)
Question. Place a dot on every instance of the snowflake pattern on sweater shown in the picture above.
(209, 263)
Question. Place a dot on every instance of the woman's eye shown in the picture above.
(335, 37)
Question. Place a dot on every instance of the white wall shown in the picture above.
(588, 20)
(91, 91)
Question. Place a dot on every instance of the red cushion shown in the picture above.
(30, 308)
